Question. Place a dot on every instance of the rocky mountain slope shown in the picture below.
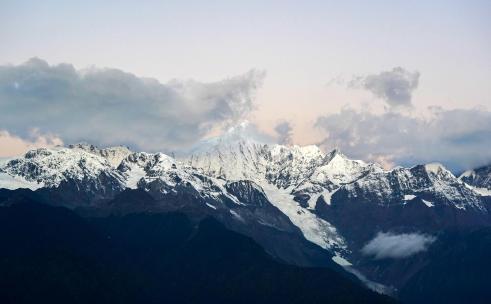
(150, 258)
(303, 205)
(479, 179)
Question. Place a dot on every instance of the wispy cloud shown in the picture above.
(109, 106)
(397, 246)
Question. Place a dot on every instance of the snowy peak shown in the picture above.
(281, 165)
(50, 167)
(479, 178)
(113, 154)
(230, 160)
(335, 152)
(75, 172)
(243, 133)
(138, 165)
(83, 171)
(301, 153)
(153, 164)
(432, 182)
(290, 165)
(438, 171)
(305, 172)
(310, 174)
(249, 182)
(338, 169)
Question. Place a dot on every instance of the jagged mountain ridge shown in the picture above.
(479, 179)
(67, 174)
(303, 170)
(257, 188)
(113, 154)
(331, 197)
(305, 174)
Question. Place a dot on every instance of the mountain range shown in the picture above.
(385, 228)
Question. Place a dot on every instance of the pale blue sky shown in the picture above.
(302, 46)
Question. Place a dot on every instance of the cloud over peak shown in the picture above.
(458, 138)
(109, 106)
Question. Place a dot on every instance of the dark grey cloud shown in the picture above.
(460, 138)
(395, 87)
(109, 106)
(397, 246)
(284, 131)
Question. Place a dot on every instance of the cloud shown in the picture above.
(109, 106)
(395, 87)
(458, 138)
(397, 246)
(284, 131)
(12, 145)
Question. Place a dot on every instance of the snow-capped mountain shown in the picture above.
(431, 182)
(479, 179)
(284, 173)
(339, 203)
(287, 198)
(113, 154)
(60, 168)
(83, 177)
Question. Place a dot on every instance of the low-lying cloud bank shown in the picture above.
(397, 246)
(459, 138)
(109, 106)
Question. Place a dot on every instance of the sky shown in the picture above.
(397, 82)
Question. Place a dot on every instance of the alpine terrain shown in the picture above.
(321, 216)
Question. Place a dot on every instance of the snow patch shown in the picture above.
(211, 206)
(428, 203)
(326, 195)
(480, 191)
(237, 216)
(434, 167)
(483, 191)
(314, 229)
(17, 182)
(341, 261)
(134, 176)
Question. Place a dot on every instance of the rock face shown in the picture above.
(303, 205)
(479, 178)
(85, 179)
(113, 154)
(341, 204)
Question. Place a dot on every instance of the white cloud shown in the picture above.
(109, 106)
(396, 246)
